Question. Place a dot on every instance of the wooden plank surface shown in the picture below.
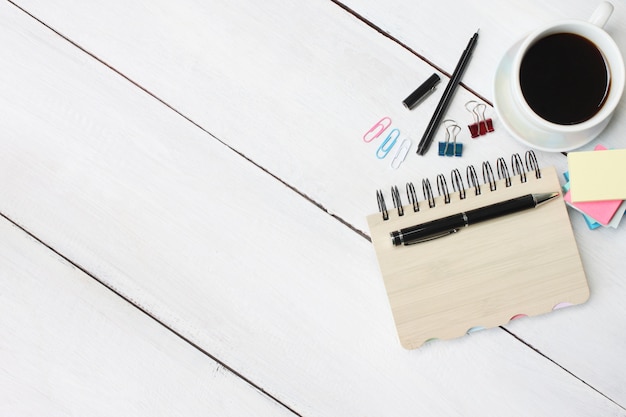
(438, 31)
(226, 80)
(202, 237)
(70, 347)
(296, 104)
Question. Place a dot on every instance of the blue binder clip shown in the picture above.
(448, 148)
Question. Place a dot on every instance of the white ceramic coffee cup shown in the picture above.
(528, 127)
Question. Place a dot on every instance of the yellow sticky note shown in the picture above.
(599, 175)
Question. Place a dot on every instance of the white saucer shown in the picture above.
(522, 131)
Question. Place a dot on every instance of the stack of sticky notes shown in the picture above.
(597, 185)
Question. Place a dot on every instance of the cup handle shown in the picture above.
(601, 14)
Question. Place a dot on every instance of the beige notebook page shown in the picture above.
(484, 275)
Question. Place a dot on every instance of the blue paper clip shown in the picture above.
(454, 149)
(387, 144)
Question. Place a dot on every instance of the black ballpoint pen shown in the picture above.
(451, 224)
(446, 98)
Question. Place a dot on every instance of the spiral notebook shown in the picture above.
(487, 274)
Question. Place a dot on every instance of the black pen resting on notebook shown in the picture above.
(446, 98)
(451, 224)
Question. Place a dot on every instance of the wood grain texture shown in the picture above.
(179, 224)
(292, 97)
(501, 25)
(72, 347)
(225, 78)
(486, 274)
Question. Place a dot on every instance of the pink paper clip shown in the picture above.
(377, 129)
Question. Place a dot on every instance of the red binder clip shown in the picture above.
(473, 128)
(481, 125)
(484, 125)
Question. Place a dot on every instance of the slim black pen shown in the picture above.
(446, 98)
(451, 224)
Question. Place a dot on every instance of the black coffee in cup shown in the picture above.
(564, 78)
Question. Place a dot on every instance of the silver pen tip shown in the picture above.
(544, 197)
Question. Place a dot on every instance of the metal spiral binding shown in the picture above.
(411, 195)
(532, 164)
(457, 183)
(428, 192)
(397, 202)
(488, 176)
(381, 204)
(503, 172)
(472, 179)
(519, 168)
(442, 188)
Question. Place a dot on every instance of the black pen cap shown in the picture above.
(421, 92)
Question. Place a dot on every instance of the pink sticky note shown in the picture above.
(600, 211)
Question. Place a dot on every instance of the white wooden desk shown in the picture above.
(183, 192)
